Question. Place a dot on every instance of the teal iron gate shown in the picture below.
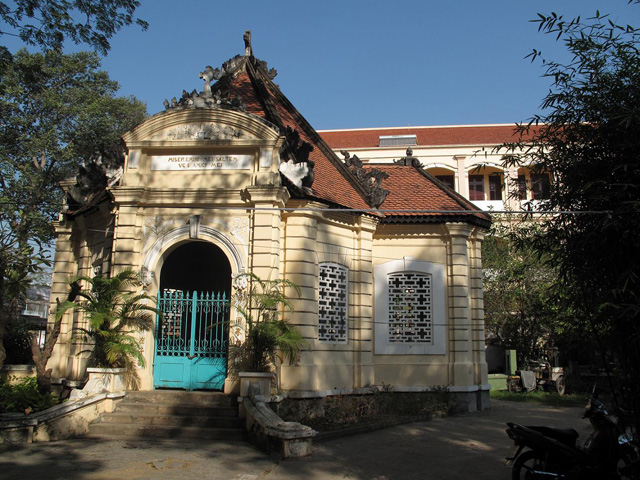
(192, 340)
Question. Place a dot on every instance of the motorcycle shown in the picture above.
(551, 453)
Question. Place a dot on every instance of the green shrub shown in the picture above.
(24, 397)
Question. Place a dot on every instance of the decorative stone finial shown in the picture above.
(409, 160)
(208, 75)
(248, 51)
(207, 98)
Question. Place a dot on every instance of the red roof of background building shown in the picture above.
(425, 136)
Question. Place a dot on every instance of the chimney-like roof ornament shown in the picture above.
(248, 51)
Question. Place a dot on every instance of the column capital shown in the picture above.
(460, 230)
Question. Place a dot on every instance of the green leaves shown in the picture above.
(267, 330)
(56, 111)
(588, 138)
(49, 23)
(113, 314)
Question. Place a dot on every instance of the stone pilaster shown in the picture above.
(265, 235)
(64, 267)
(460, 332)
(511, 188)
(477, 307)
(463, 176)
(362, 321)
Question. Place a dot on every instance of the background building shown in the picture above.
(464, 157)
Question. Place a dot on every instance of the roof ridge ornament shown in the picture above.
(248, 51)
(208, 75)
(409, 160)
(297, 167)
(208, 98)
(369, 178)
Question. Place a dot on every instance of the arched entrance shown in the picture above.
(192, 335)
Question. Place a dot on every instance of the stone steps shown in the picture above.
(172, 414)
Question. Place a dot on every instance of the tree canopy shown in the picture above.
(588, 139)
(57, 111)
(48, 23)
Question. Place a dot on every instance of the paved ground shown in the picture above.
(469, 446)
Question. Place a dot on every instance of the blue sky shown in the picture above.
(353, 63)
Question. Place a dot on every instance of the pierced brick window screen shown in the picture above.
(332, 303)
(410, 308)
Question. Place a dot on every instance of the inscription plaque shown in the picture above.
(201, 162)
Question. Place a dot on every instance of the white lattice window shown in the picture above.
(333, 303)
(410, 308)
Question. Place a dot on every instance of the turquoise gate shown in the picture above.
(192, 340)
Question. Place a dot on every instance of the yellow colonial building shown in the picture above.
(233, 179)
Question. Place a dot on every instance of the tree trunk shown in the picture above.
(4, 311)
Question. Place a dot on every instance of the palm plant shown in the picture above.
(268, 332)
(113, 314)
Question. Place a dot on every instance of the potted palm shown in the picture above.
(113, 313)
(269, 337)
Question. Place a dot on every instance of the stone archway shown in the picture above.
(196, 266)
(192, 335)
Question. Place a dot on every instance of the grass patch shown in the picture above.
(551, 399)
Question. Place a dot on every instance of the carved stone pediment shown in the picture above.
(203, 131)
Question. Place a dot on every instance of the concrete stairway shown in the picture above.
(172, 414)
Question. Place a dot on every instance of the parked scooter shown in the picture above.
(552, 453)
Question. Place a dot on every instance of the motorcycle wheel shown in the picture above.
(560, 386)
(530, 460)
(628, 467)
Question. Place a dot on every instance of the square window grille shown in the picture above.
(332, 303)
(410, 308)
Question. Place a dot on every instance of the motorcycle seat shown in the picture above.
(568, 436)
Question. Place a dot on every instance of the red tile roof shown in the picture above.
(415, 195)
(333, 181)
(410, 188)
(426, 136)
